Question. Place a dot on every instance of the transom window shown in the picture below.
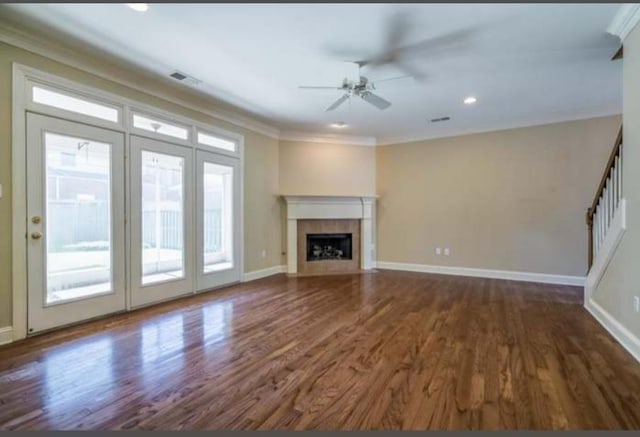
(215, 141)
(75, 104)
(160, 126)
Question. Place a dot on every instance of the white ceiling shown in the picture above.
(527, 64)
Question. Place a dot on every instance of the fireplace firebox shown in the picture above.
(329, 247)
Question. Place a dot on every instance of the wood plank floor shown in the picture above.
(385, 350)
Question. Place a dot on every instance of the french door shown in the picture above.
(103, 236)
(162, 217)
(76, 222)
(217, 224)
(183, 238)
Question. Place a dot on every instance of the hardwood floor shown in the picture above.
(380, 350)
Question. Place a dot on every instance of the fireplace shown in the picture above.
(329, 234)
(329, 247)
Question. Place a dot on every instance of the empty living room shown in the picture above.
(319, 216)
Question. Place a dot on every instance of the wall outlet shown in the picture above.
(263, 254)
(438, 251)
(447, 251)
(636, 304)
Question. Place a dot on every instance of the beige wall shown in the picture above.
(506, 200)
(262, 208)
(327, 169)
(621, 280)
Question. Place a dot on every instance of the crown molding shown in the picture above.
(587, 115)
(56, 52)
(625, 20)
(329, 139)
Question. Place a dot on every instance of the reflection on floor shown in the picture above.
(367, 351)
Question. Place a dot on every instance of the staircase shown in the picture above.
(606, 216)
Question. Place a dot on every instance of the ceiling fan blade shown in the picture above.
(444, 42)
(338, 102)
(389, 79)
(397, 26)
(375, 100)
(319, 88)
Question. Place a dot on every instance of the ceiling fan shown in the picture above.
(362, 87)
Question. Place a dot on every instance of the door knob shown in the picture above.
(36, 235)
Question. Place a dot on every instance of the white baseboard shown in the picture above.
(484, 273)
(6, 335)
(607, 250)
(259, 274)
(625, 337)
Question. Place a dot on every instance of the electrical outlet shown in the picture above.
(636, 303)
(447, 251)
(263, 254)
(438, 251)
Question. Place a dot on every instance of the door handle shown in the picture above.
(36, 235)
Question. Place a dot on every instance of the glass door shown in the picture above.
(162, 250)
(76, 223)
(217, 220)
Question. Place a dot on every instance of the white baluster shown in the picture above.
(621, 167)
(617, 182)
(601, 219)
(594, 237)
(605, 215)
(609, 202)
(598, 225)
(614, 179)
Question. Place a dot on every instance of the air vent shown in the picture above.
(437, 120)
(185, 78)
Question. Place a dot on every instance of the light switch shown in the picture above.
(0, 191)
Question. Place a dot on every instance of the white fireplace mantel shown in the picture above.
(330, 207)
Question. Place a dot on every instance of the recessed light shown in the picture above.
(339, 125)
(470, 100)
(140, 7)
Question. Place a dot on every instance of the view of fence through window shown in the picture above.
(78, 217)
(162, 217)
(218, 196)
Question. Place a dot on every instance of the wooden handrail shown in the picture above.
(615, 152)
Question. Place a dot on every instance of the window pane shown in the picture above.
(210, 140)
(160, 127)
(74, 104)
(162, 217)
(218, 204)
(78, 217)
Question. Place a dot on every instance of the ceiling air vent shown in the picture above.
(437, 120)
(185, 78)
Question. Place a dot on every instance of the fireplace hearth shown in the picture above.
(329, 247)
